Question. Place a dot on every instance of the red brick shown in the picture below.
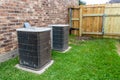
(13, 14)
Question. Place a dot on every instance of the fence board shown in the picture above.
(92, 19)
(112, 24)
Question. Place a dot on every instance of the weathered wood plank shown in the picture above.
(80, 22)
(92, 15)
(99, 33)
(75, 19)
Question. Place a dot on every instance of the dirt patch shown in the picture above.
(84, 38)
(118, 48)
(79, 40)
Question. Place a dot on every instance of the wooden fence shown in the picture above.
(101, 19)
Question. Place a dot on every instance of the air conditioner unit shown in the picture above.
(34, 47)
(60, 37)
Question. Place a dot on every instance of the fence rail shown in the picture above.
(96, 19)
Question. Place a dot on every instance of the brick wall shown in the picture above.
(13, 13)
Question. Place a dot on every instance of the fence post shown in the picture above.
(80, 25)
(103, 22)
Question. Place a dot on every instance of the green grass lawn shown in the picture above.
(87, 60)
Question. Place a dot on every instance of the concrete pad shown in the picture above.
(67, 49)
(42, 70)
